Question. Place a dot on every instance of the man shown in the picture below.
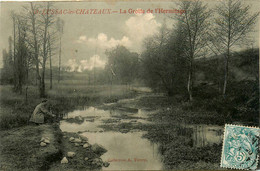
(40, 112)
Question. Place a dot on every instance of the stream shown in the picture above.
(127, 149)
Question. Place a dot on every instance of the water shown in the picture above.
(204, 135)
(129, 151)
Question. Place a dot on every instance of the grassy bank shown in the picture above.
(16, 112)
(20, 146)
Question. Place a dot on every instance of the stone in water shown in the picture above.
(86, 145)
(71, 139)
(77, 140)
(106, 164)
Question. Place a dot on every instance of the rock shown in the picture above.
(64, 160)
(71, 154)
(83, 138)
(79, 119)
(97, 161)
(76, 144)
(124, 130)
(43, 144)
(98, 149)
(47, 141)
(86, 158)
(64, 136)
(77, 140)
(86, 145)
(71, 139)
(106, 164)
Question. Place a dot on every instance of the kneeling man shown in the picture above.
(40, 112)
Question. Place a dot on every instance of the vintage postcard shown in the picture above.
(129, 85)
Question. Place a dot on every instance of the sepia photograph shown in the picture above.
(129, 85)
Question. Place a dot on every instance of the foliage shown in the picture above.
(164, 66)
(122, 64)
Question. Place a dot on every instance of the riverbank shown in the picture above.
(179, 128)
(20, 145)
(23, 147)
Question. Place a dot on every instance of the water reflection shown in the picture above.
(127, 151)
(203, 135)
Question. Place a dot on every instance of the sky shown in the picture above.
(86, 37)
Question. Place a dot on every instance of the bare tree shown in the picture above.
(35, 42)
(13, 16)
(60, 25)
(51, 50)
(195, 24)
(21, 55)
(47, 21)
(39, 27)
(232, 23)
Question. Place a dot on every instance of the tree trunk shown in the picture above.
(49, 45)
(190, 81)
(50, 73)
(42, 84)
(15, 60)
(226, 74)
(59, 60)
(45, 53)
(36, 49)
(19, 61)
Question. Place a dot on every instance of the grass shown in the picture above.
(16, 112)
(20, 148)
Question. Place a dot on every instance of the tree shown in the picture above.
(34, 42)
(195, 24)
(40, 27)
(21, 54)
(163, 61)
(50, 55)
(47, 22)
(60, 25)
(123, 63)
(13, 16)
(7, 71)
(232, 23)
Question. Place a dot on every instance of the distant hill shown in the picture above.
(243, 65)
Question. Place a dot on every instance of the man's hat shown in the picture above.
(44, 100)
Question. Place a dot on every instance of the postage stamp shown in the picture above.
(240, 147)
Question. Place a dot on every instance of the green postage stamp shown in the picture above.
(240, 147)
